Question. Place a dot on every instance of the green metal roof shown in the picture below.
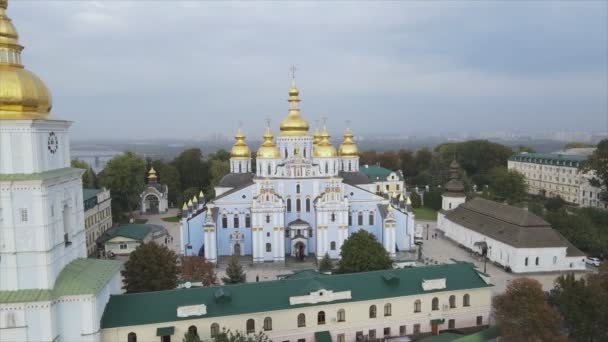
(80, 277)
(377, 173)
(126, 309)
(323, 336)
(40, 175)
(481, 336)
(89, 197)
(572, 160)
(130, 230)
(302, 274)
(443, 337)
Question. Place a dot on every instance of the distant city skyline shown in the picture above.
(413, 67)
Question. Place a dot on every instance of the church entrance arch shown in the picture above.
(151, 202)
(237, 249)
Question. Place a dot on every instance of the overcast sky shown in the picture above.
(170, 69)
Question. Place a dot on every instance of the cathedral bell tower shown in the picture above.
(240, 155)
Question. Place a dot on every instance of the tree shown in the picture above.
(218, 169)
(368, 158)
(168, 175)
(598, 163)
(124, 176)
(577, 144)
(408, 163)
(416, 200)
(522, 313)
(151, 267)
(432, 198)
(191, 168)
(325, 265)
(221, 155)
(390, 160)
(191, 337)
(554, 203)
(535, 207)
(527, 149)
(234, 272)
(195, 268)
(228, 336)
(423, 159)
(89, 179)
(361, 252)
(508, 185)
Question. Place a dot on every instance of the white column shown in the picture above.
(207, 244)
(213, 249)
(282, 237)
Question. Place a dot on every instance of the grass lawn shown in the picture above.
(424, 213)
(171, 219)
(140, 221)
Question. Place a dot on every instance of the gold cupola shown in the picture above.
(348, 147)
(240, 150)
(294, 124)
(268, 150)
(324, 149)
(316, 137)
(22, 94)
(151, 174)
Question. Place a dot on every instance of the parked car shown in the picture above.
(593, 262)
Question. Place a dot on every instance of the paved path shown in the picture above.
(172, 227)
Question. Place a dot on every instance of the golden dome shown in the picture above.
(22, 95)
(152, 172)
(240, 150)
(348, 147)
(294, 124)
(316, 137)
(268, 150)
(324, 149)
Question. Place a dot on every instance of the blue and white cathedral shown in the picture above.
(304, 199)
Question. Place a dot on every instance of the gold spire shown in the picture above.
(151, 174)
(401, 198)
(190, 203)
(348, 147)
(294, 124)
(22, 94)
(268, 150)
(201, 194)
(316, 137)
(185, 207)
(194, 199)
(324, 149)
(240, 150)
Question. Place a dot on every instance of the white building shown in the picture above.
(155, 197)
(125, 238)
(347, 307)
(48, 290)
(97, 215)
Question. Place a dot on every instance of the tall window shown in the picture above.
(537, 261)
(192, 330)
(268, 248)
(289, 204)
(236, 220)
(267, 218)
(247, 220)
(372, 311)
(267, 323)
(526, 261)
(301, 320)
(269, 171)
(451, 324)
(215, 329)
(297, 188)
(332, 245)
(326, 168)
(250, 326)
(417, 305)
(132, 337)
(333, 217)
(360, 219)
(308, 205)
(466, 300)
(435, 304)
(479, 320)
(341, 315)
(388, 309)
(321, 317)
(371, 218)
(224, 221)
(452, 301)
(350, 219)
(298, 205)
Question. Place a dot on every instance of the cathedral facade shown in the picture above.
(304, 199)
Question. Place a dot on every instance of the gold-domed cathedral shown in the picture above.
(49, 290)
(303, 201)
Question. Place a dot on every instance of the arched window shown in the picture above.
(341, 315)
(240, 168)
(388, 310)
(297, 188)
(286, 153)
(267, 323)
(298, 205)
(372, 311)
(452, 301)
(321, 317)
(350, 219)
(247, 220)
(132, 337)
(537, 261)
(333, 217)
(250, 326)
(326, 168)
(215, 329)
(450, 205)
(236, 220)
(332, 245)
(526, 261)
(417, 305)
(224, 221)
(308, 205)
(304, 152)
(301, 320)
(360, 219)
(192, 330)
(269, 171)
(289, 204)
(371, 218)
(268, 247)
(435, 304)
(267, 218)
(466, 300)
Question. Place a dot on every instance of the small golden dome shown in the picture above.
(23, 95)
(324, 149)
(152, 172)
(268, 150)
(240, 150)
(348, 147)
(294, 124)
(316, 137)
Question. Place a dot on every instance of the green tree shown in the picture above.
(508, 185)
(389, 160)
(408, 163)
(535, 207)
(423, 159)
(89, 179)
(190, 193)
(554, 203)
(325, 265)
(218, 169)
(191, 337)
(361, 252)
(229, 336)
(432, 198)
(124, 176)
(151, 267)
(416, 200)
(368, 158)
(192, 170)
(577, 144)
(523, 314)
(221, 155)
(527, 149)
(234, 272)
(168, 175)
(196, 268)
(598, 162)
